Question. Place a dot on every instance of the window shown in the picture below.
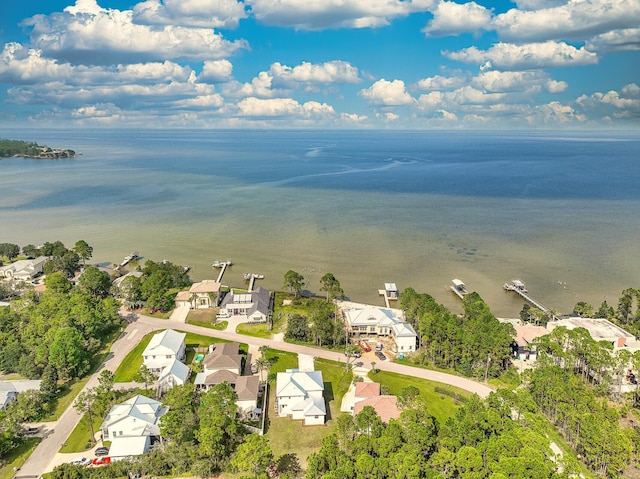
(169, 356)
(372, 329)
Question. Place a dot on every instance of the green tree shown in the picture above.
(9, 250)
(95, 282)
(49, 384)
(84, 404)
(583, 309)
(331, 286)
(68, 353)
(297, 328)
(58, 282)
(294, 282)
(144, 375)
(254, 455)
(180, 422)
(82, 249)
(30, 251)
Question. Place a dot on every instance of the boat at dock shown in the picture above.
(128, 259)
(516, 285)
(459, 288)
(219, 264)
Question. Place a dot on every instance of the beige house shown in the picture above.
(204, 294)
(24, 269)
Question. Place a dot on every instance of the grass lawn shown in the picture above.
(206, 318)
(132, 362)
(78, 440)
(16, 457)
(259, 330)
(66, 396)
(441, 406)
(288, 436)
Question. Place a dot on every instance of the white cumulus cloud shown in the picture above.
(325, 73)
(450, 18)
(509, 56)
(440, 82)
(323, 14)
(627, 39)
(87, 33)
(190, 13)
(283, 107)
(387, 93)
(575, 19)
(216, 71)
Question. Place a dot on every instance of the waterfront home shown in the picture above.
(300, 395)
(256, 306)
(204, 294)
(365, 321)
(163, 349)
(24, 269)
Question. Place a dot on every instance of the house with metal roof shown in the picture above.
(163, 349)
(24, 269)
(138, 416)
(175, 374)
(366, 321)
(300, 395)
(9, 390)
(256, 306)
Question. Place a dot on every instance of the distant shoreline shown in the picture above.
(23, 149)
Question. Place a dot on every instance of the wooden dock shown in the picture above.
(390, 293)
(252, 279)
(223, 268)
(519, 287)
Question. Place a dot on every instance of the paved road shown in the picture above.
(481, 390)
(45, 456)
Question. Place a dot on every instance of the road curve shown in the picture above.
(469, 385)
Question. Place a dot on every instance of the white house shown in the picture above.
(201, 295)
(163, 348)
(255, 306)
(24, 269)
(300, 395)
(9, 390)
(368, 321)
(135, 417)
(175, 374)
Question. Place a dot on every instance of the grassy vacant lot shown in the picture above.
(67, 394)
(206, 318)
(441, 405)
(288, 436)
(16, 457)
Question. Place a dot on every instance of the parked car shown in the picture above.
(364, 346)
(380, 355)
(31, 430)
(222, 315)
(81, 461)
(355, 354)
(99, 461)
(102, 451)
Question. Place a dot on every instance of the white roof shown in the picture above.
(296, 383)
(403, 329)
(168, 338)
(128, 446)
(390, 286)
(177, 370)
(457, 282)
(311, 407)
(142, 408)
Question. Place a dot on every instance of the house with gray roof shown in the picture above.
(163, 348)
(9, 390)
(256, 306)
(24, 269)
(175, 374)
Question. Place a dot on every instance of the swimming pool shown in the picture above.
(199, 358)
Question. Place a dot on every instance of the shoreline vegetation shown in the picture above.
(29, 149)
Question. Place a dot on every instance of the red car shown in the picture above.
(364, 346)
(99, 461)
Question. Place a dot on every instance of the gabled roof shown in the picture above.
(218, 377)
(169, 339)
(311, 407)
(258, 300)
(176, 369)
(403, 329)
(183, 296)
(295, 383)
(142, 408)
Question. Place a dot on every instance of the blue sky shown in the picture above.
(417, 64)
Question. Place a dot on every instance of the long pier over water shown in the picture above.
(520, 288)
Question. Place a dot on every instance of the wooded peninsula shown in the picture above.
(28, 149)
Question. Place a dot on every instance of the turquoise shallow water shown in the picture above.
(561, 212)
